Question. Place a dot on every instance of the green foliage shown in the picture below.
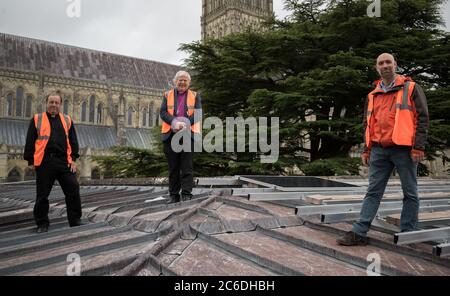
(439, 109)
(422, 170)
(332, 167)
(320, 62)
(129, 162)
(312, 70)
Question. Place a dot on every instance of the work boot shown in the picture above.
(42, 228)
(352, 239)
(76, 223)
(186, 197)
(174, 199)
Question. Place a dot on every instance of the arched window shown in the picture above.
(100, 113)
(144, 117)
(130, 116)
(19, 101)
(66, 107)
(9, 105)
(83, 111)
(157, 118)
(92, 109)
(150, 115)
(28, 106)
(95, 173)
(14, 175)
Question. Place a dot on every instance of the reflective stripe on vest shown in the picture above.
(190, 102)
(405, 125)
(43, 129)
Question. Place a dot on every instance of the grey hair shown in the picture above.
(181, 73)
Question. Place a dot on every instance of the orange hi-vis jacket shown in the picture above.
(43, 129)
(190, 102)
(391, 117)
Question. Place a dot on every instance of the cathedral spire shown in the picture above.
(223, 17)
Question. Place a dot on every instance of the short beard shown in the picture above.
(388, 75)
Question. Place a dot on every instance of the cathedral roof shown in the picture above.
(13, 133)
(131, 230)
(22, 53)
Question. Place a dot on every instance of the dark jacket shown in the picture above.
(166, 117)
(57, 144)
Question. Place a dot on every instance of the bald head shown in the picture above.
(386, 66)
(385, 56)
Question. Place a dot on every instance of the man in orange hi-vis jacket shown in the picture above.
(396, 127)
(178, 109)
(51, 149)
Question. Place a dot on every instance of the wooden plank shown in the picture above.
(395, 218)
(440, 194)
(316, 199)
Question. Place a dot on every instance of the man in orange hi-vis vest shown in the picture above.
(396, 127)
(179, 105)
(51, 150)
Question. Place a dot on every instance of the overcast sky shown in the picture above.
(149, 29)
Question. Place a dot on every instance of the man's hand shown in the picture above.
(73, 167)
(365, 158)
(31, 167)
(417, 155)
(179, 126)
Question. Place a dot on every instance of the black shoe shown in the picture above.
(186, 197)
(42, 228)
(77, 223)
(352, 239)
(174, 199)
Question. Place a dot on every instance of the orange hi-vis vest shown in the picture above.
(44, 129)
(190, 102)
(405, 116)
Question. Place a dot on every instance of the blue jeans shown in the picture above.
(382, 163)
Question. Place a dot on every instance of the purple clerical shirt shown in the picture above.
(180, 104)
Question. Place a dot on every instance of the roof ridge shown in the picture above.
(18, 37)
(24, 53)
